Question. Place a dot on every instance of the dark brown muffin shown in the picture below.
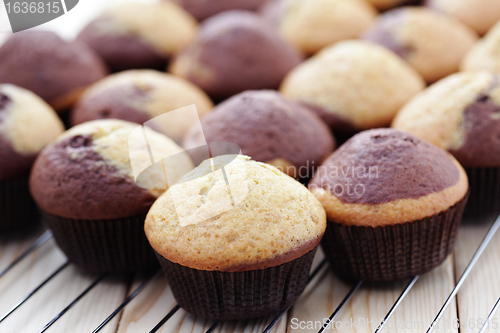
(268, 128)
(201, 9)
(85, 185)
(139, 35)
(27, 125)
(233, 52)
(393, 203)
(56, 70)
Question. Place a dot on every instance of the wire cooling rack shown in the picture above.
(105, 303)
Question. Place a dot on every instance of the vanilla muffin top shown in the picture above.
(27, 125)
(354, 82)
(262, 219)
(311, 25)
(385, 177)
(140, 95)
(461, 114)
(101, 170)
(480, 15)
(485, 55)
(432, 43)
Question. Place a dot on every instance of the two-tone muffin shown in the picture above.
(313, 24)
(485, 55)
(233, 52)
(432, 43)
(461, 114)
(202, 9)
(140, 95)
(85, 184)
(139, 35)
(27, 125)
(237, 242)
(56, 70)
(480, 15)
(393, 203)
(353, 85)
(269, 129)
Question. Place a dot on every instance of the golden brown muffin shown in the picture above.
(485, 55)
(353, 85)
(313, 24)
(379, 183)
(263, 222)
(140, 95)
(433, 44)
(139, 35)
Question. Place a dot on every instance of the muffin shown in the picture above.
(238, 251)
(269, 129)
(480, 15)
(233, 52)
(55, 70)
(84, 184)
(386, 4)
(393, 204)
(461, 114)
(353, 85)
(313, 24)
(139, 35)
(433, 44)
(202, 9)
(485, 55)
(27, 125)
(140, 95)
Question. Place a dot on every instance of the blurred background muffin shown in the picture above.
(480, 15)
(353, 85)
(56, 70)
(85, 184)
(461, 114)
(432, 43)
(269, 129)
(201, 9)
(387, 4)
(27, 125)
(233, 52)
(313, 24)
(139, 35)
(140, 95)
(485, 55)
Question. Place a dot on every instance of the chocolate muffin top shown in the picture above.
(480, 15)
(461, 114)
(268, 128)
(485, 55)
(89, 171)
(432, 43)
(138, 96)
(313, 24)
(262, 219)
(353, 85)
(233, 52)
(27, 125)
(56, 70)
(201, 9)
(384, 177)
(139, 35)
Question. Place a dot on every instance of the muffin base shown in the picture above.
(114, 246)
(238, 295)
(17, 208)
(392, 252)
(484, 186)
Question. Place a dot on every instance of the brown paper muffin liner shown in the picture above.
(484, 186)
(17, 208)
(115, 246)
(392, 252)
(238, 295)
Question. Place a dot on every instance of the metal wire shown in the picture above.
(165, 319)
(213, 327)
(466, 273)
(490, 316)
